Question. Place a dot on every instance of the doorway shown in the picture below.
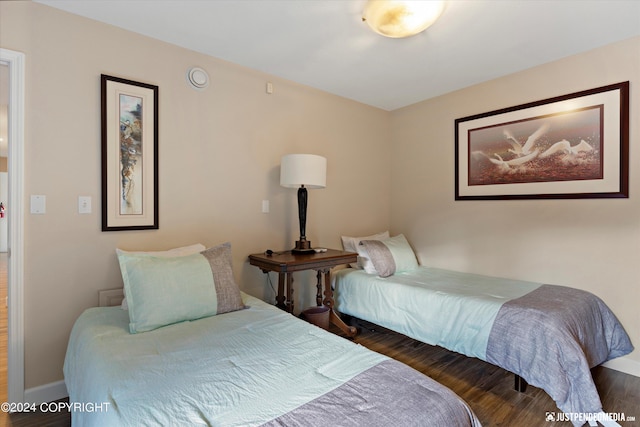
(4, 190)
(3, 328)
(14, 255)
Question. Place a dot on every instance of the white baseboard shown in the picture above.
(624, 364)
(46, 393)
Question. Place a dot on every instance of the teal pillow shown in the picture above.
(161, 291)
(390, 256)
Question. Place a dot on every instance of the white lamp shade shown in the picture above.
(303, 169)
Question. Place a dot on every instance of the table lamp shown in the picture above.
(303, 171)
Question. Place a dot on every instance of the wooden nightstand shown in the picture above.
(285, 263)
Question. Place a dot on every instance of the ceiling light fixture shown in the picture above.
(401, 18)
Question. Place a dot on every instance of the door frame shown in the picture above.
(15, 215)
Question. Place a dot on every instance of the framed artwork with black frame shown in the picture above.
(568, 147)
(129, 154)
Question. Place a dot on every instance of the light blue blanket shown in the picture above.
(224, 370)
(439, 307)
(250, 367)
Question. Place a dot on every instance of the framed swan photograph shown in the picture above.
(566, 147)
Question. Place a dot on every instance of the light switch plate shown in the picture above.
(38, 204)
(84, 204)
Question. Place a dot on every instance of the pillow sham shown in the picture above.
(390, 256)
(181, 251)
(161, 291)
(350, 244)
(364, 262)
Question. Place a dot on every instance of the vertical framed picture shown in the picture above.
(567, 147)
(129, 155)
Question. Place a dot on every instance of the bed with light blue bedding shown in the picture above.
(257, 366)
(549, 335)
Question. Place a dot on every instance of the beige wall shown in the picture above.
(587, 244)
(219, 156)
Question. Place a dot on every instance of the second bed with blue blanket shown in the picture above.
(549, 335)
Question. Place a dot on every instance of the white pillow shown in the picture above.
(350, 244)
(196, 248)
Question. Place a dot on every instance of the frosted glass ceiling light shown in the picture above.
(401, 18)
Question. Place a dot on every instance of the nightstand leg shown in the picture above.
(319, 287)
(328, 292)
(289, 292)
(350, 331)
(280, 298)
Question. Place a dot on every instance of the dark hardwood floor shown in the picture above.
(488, 390)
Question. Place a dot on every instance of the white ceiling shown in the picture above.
(324, 43)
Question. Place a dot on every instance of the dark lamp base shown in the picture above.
(302, 247)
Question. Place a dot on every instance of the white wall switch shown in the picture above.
(84, 204)
(265, 206)
(38, 204)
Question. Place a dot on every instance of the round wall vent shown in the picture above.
(198, 78)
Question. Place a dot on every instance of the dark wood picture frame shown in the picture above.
(129, 154)
(567, 147)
